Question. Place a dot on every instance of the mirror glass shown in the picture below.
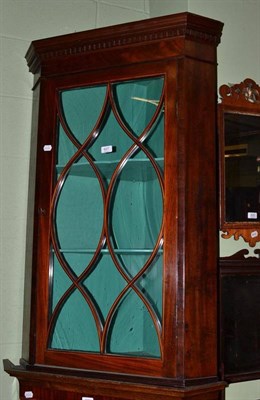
(242, 167)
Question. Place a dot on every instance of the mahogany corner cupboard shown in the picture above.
(124, 265)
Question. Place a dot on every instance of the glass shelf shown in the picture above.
(106, 251)
(138, 169)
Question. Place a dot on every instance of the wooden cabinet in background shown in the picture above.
(240, 317)
(124, 271)
(239, 162)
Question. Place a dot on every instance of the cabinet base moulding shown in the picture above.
(43, 385)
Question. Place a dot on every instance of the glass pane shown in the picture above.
(60, 281)
(66, 149)
(77, 226)
(97, 284)
(150, 283)
(81, 109)
(75, 261)
(136, 208)
(132, 330)
(75, 327)
(242, 167)
(111, 135)
(137, 102)
(154, 141)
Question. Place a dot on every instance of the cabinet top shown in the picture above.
(169, 28)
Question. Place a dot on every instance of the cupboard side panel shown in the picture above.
(197, 134)
(172, 334)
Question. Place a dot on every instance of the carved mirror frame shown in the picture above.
(243, 99)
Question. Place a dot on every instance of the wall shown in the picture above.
(22, 21)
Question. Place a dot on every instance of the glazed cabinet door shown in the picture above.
(103, 273)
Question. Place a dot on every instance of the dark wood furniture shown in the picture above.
(240, 317)
(239, 130)
(124, 272)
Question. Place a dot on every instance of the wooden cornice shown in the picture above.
(187, 25)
